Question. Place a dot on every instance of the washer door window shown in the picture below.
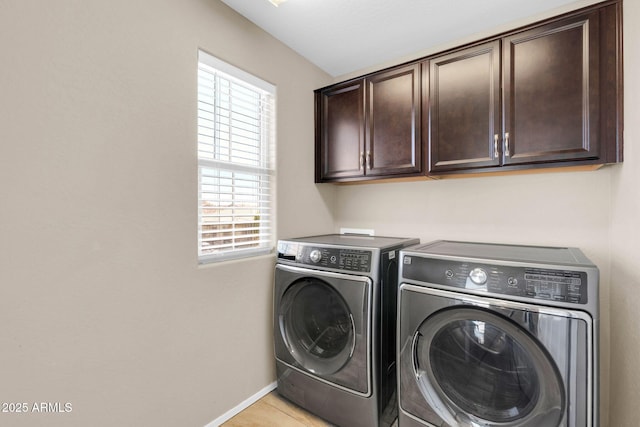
(480, 367)
(317, 326)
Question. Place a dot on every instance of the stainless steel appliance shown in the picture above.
(334, 324)
(497, 335)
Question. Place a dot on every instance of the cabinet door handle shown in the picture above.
(369, 160)
(496, 154)
(506, 144)
(361, 159)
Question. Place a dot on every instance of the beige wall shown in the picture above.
(101, 300)
(102, 303)
(596, 211)
(625, 242)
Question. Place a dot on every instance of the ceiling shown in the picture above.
(344, 36)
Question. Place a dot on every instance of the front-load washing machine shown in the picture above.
(335, 306)
(497, 335)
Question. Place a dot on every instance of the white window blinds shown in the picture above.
(235, 162)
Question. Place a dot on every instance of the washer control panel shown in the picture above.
(537, 283)
(327, 257)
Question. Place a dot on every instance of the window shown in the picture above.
(236, 135)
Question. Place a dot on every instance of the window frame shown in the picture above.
(259, 178)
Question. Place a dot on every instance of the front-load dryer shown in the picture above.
(497, 335)
(335, 306)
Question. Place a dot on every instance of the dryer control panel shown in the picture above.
(528, 282)
(328, 257)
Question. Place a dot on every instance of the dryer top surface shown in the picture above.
(356, 240)
(504, 252)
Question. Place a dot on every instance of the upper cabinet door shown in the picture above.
(465, 109)
(551, 92)
(393, 134)
(340, 131)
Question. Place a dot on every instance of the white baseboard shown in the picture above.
(242, 405)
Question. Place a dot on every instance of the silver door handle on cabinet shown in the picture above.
(361, 159)
(369, 160)
(506, 144)
(496, 153)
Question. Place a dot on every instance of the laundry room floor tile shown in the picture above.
(274, 411)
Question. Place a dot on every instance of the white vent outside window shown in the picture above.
(236, 165)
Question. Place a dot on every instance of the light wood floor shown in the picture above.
(274, 411)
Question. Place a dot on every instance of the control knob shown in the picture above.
(315, 255)
(478, 276)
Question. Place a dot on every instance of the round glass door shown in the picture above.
(486, 369)
(317, 326)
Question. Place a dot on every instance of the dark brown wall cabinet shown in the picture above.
(542, 96)
(547, 95)
(369, 128)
